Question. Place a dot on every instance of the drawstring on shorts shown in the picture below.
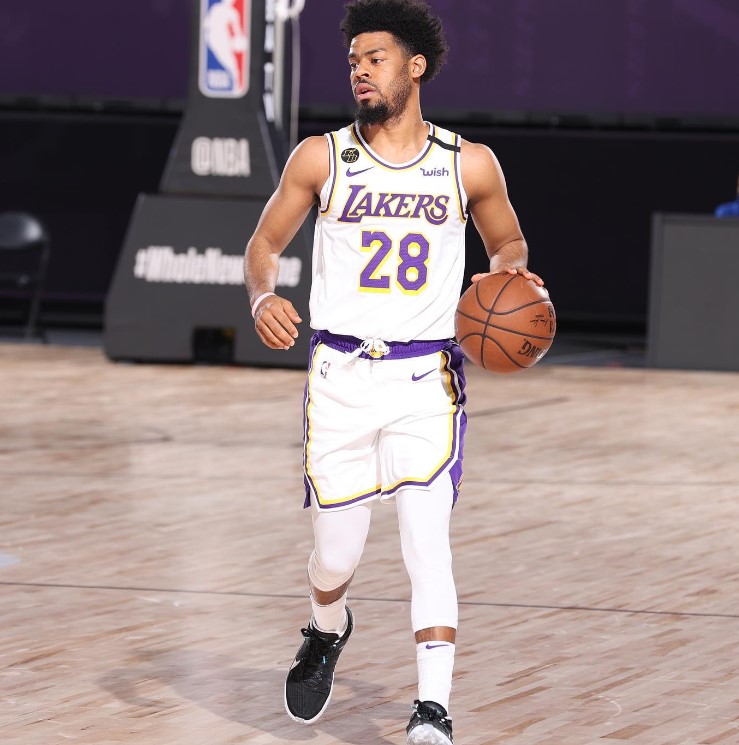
(375, 348)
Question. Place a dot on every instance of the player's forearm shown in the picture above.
(261, 267)
(510, 254)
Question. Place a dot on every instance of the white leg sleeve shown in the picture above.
(423, 517)
(340, 537)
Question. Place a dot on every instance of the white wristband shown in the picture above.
(259, 300)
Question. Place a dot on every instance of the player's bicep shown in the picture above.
(297, 192)
(488, 202)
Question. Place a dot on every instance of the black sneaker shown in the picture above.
(429, 725)
(311, 677)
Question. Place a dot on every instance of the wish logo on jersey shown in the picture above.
(224, 48)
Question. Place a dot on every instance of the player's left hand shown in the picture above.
(522, 270)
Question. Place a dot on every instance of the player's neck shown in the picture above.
(398, 140)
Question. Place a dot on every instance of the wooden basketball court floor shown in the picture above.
(153, 553)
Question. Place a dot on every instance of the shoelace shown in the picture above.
(374, 347)
(430, 717)
(316, 659)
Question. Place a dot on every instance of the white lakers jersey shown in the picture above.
(388, 253)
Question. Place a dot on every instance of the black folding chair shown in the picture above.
(24, 256)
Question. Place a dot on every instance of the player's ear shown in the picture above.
(417, 65)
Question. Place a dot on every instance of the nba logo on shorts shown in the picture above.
(224, 48)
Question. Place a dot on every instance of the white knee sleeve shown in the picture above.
(340, 537)
(423, 517)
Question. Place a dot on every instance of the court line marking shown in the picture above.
(301, 596)
(518, 407)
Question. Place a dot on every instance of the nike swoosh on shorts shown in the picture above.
(415, 377)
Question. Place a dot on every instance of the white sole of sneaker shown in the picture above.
(425, 734)
(305, 721)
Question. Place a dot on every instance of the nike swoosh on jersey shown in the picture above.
(415, 377)
(351, 173)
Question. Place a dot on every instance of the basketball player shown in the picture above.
(384, 400)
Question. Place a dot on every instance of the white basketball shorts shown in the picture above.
(373, 426)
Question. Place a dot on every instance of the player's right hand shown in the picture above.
(274, 320)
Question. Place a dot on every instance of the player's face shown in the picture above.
(380, 77)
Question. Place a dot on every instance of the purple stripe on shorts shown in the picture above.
(399, 350)
(347, 502)
(454, 365)
(459, 383)
(309, 486)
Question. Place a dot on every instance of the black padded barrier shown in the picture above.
(694, 293)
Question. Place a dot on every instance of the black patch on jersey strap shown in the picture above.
(438, 142)
(350, 155)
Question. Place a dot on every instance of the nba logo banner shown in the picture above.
(225, 27)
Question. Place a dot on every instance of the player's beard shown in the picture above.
(388, 107)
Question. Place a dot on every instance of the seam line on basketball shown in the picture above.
(501, 328)
(500, 346)
(519, 307)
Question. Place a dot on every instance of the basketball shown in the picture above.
(505, 323)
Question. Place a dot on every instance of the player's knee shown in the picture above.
(426, 554)
(329, 570)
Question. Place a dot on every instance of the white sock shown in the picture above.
(332, 618)
(435, 661)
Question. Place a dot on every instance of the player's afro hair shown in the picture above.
(411, 22)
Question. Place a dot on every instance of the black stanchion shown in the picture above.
(177, 292)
